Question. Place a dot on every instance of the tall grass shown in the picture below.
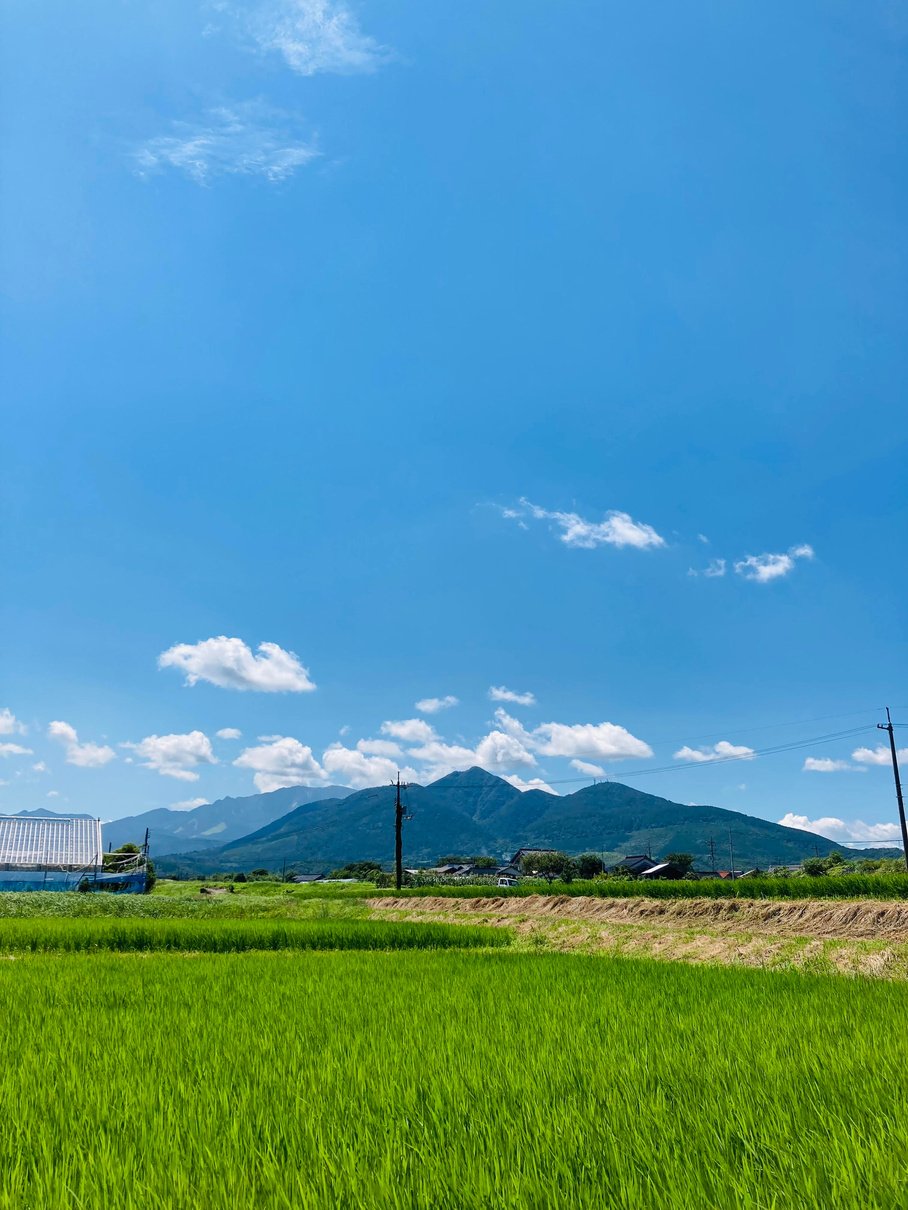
(845, 886)
(460, 1081)
(235, 936)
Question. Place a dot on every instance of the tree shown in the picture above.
(684, 861)
(814, 867)
(589, 865)
(547, 865)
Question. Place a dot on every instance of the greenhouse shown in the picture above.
(39, 853)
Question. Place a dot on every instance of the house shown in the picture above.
(634, 865)
(300, 878)
(663, 869)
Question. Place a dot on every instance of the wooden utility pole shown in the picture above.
(731, 852)
(398, 839)
(888, 726)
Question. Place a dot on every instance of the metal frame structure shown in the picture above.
(49, 852)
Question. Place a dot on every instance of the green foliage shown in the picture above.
(459, 1081)
(589, 865)
(684, 861)
(364, 871)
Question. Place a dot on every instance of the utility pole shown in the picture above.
(731, 852)
(712, 856)
(888, 726)
(398, 839)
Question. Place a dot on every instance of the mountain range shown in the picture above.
(470, 813)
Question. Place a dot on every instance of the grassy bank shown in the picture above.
(456, 1081)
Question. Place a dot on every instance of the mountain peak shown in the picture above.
(474, 778)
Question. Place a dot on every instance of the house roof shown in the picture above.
(38, 841)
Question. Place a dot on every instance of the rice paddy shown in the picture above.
(458, 1080)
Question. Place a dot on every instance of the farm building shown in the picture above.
(39, 853)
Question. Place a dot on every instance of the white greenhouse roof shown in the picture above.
(40, 841)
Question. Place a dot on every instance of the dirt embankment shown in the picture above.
(864, 919)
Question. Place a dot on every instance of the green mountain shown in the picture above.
(214, 823)
(475, 812)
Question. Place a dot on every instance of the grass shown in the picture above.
(454, 1081)
(844, 886)
(236, 936)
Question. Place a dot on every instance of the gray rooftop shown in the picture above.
(66, 843)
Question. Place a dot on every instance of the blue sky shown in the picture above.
(554, 348)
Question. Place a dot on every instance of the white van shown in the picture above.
(506, 881)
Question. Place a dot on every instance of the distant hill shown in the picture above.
(475, 812)
(214, 823)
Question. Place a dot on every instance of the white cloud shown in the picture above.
(500, 693)
(602, 741)
(410, 730)
(378, 747)
(84, 756)
(765, 568)
(583, 766)
(440, 758)
(40, 767)
(189, 804)
(535, 783)
(9, 724)
(618, 529)
(840, 829)
(229, 733)
(723, 750)
(230, 664)
(15, 750)
(248, 139)
(175, 755)
(715, 569)
(53, 794)
(432, 705)
(311, 36)
(282, 762)
(353, 767)
(498, 751)
(823, 764)
(878, 756)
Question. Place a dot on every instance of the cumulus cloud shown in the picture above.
(311, 36)
(617, 529)
(605, 741)
(175, 755)
(53, 793)
(500, 693)
(9, 724)
(15, 750)
(230, 664)
(723, 750)
(583, 766)
(353, 767)
(823, 764)
(878, 756)
(534, 783)
(189, 804)
(410, 730)
(247, 139)
(840, 829)
(432, 705)
(85, 756)
(229, 733)
(282, 762)
(378, 747)
(764, 568)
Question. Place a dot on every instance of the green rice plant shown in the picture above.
(235, 936)
(845, 886)
(459, 1081)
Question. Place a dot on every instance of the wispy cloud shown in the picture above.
(500, 693)
(311, 36)
(248, 139)
(432, 705)
(714, 570)
(616, 529)
(84, 756)
(767, 567)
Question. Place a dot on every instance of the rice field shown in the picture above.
(235, 936)
(456, 1080)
